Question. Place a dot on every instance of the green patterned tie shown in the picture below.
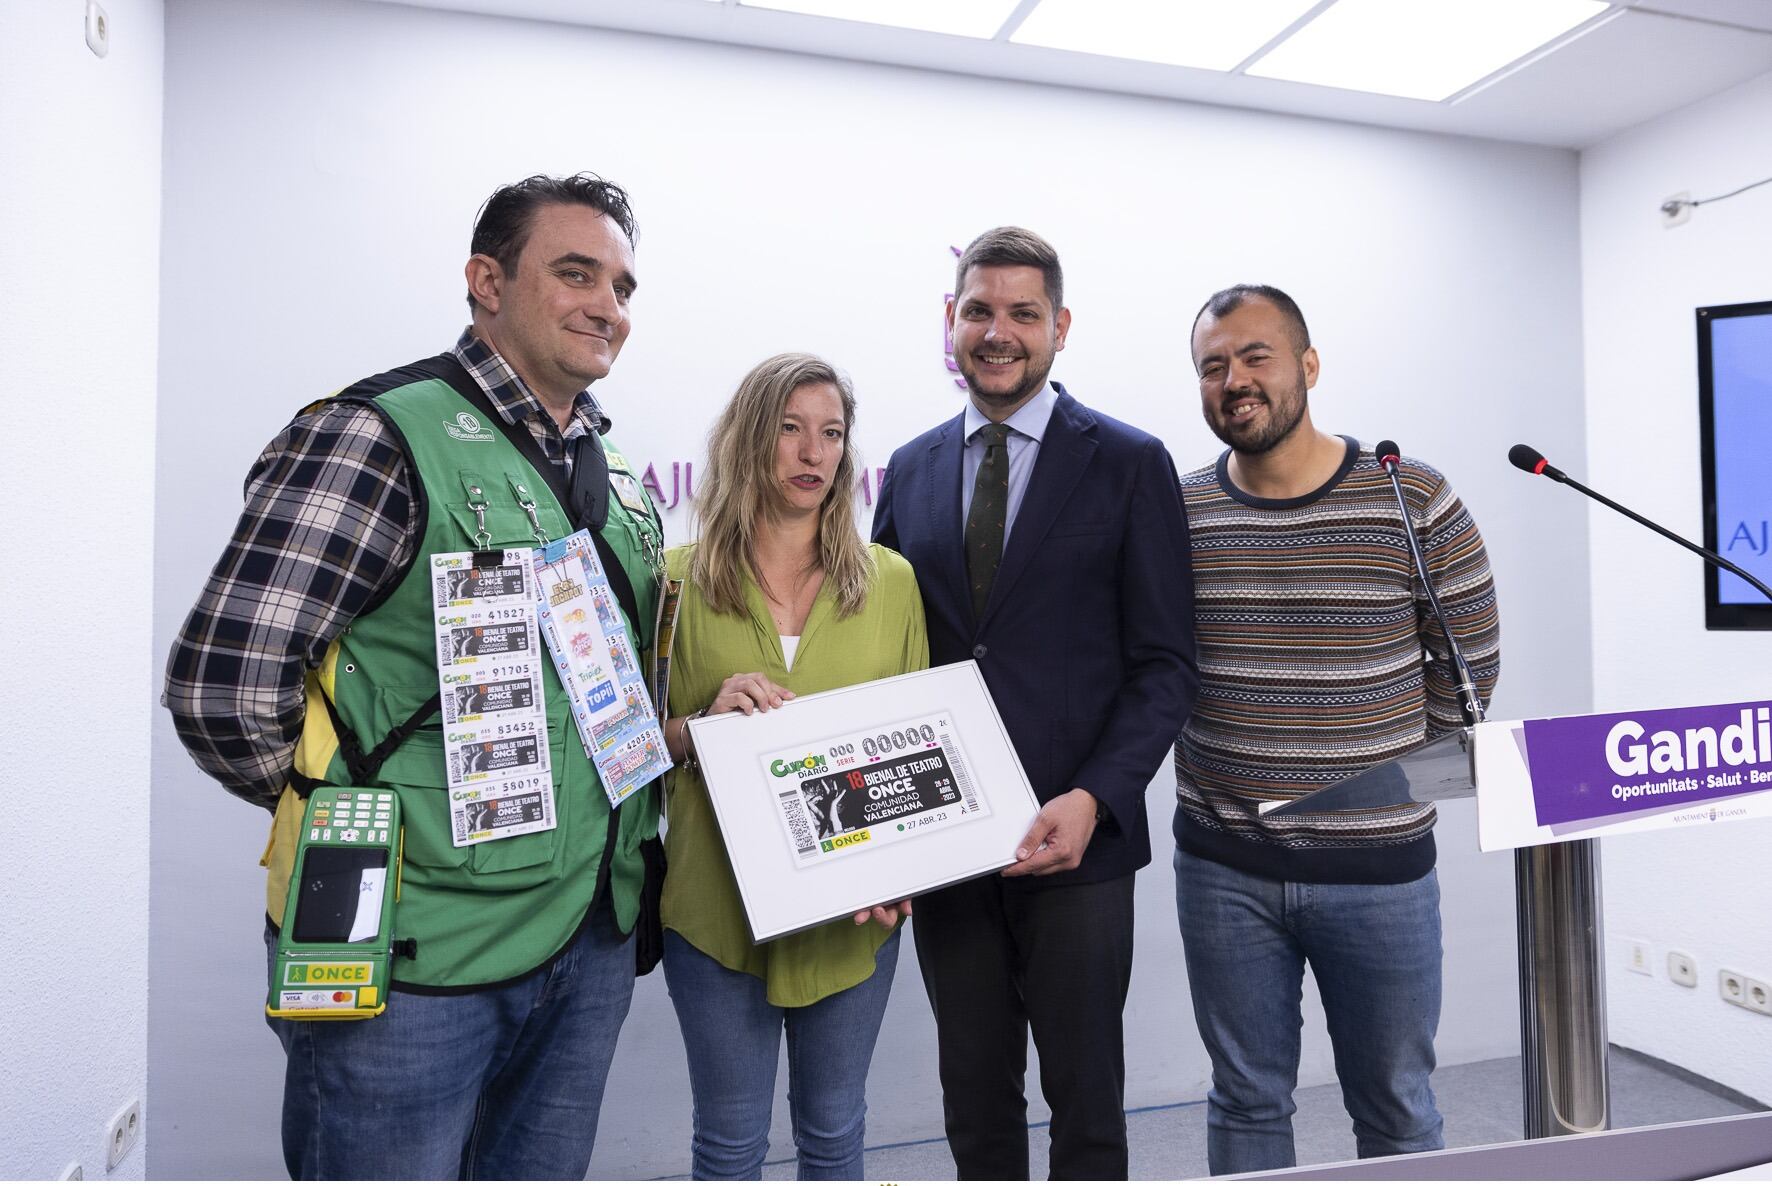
(990, 510)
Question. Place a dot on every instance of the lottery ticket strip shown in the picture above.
(495, 613)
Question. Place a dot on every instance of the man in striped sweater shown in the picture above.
(1311, 636)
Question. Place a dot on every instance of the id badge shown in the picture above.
(489, 676)
(598, 666)
(630, 493)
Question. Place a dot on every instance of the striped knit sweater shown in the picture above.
(1310, 628)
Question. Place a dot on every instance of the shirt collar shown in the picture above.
(1030, 420)
(513, 399)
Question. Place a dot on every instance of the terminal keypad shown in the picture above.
(350, 817)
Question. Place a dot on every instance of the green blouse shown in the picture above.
(701, 900)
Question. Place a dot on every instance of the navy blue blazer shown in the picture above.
(1087, 641)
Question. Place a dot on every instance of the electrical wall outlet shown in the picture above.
(1636, 957)
(1758, 996)
(1731, 986)
(98, 29)
(1682, 969)
(126, 1126)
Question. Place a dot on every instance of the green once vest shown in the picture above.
(491, 911)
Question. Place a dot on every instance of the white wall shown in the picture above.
(1700, 890)
(324, 161)
(80, 199)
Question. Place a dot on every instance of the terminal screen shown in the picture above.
(340, 896)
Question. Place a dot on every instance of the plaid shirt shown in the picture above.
(330, 525)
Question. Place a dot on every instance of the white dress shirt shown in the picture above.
(1027, 427)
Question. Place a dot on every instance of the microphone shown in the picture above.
(1470, 704)
(1532, 461)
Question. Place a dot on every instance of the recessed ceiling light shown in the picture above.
(1419, 49)
(1207, 34)
(962, 18)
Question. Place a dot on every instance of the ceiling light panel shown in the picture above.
(962, 18)
(1419, 49)
(1206, 34)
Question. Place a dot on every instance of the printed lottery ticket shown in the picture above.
(476, 644)
(489, 677)
(595, 659)
(861, 790)
(510, 807)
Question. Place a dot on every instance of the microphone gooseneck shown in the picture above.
(1470, 704)
(1532, 461)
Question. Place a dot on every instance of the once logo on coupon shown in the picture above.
(328, 974)
(849, 841)
(804, 767)
(467, 427)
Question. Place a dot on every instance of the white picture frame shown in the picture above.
(931, 793)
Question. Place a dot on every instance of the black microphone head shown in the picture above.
(1527, 458)
(1386, 452)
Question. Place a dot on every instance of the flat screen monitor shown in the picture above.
(1735, 426)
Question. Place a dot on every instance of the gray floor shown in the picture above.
(1480, 1101)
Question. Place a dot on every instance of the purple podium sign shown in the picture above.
(1586, 768)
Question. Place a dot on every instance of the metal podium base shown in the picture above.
(1567, 1088)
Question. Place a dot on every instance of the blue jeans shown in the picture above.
(732, 1035)
(1375, 953)
(499, 1083)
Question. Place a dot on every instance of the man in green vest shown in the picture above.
(311, 658)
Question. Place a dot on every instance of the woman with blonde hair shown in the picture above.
(780, 596)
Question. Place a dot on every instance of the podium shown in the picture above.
(1549, 790)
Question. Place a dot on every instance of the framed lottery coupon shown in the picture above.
(844, 799)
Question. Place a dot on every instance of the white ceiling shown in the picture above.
(1643, 59)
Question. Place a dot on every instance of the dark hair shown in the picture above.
(1228, 300)
(1011, 246)
(502, 226)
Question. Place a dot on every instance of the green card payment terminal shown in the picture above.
(335, 951)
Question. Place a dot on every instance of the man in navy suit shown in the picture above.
(1051, 546)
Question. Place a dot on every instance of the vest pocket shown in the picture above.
(639, 821)
(506, 522)
(416, 773)
(517, 862)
